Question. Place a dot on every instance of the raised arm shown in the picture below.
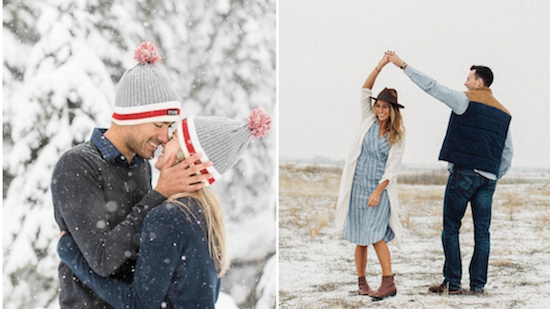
(372, 76)
(456, 100)
(366, 91)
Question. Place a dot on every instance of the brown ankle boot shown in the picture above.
(387, 288)
(364, 288)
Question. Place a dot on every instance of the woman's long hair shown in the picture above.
(394, 128)
(215, 226)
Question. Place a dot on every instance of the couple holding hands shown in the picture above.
(477, 147)
(106, 209)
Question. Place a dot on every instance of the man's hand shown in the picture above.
(394, 58)
(182, 177)
(63, 232)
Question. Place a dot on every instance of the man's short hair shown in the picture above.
(484, 73)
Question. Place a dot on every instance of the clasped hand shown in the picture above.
(393, 58)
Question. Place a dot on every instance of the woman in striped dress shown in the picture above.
(368, 203)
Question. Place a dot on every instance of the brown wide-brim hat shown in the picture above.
(389, 95)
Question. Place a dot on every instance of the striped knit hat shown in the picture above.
(220, 140)
(144, 93)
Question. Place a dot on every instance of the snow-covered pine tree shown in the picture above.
(62, 60)
(63, 93)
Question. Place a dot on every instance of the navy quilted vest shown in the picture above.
(476, 138)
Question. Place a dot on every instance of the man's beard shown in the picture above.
(138, 148)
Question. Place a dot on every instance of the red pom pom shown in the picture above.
(259, 123)
(147, 53)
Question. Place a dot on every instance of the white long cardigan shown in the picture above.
(390, 173)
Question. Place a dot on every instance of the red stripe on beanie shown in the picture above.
(149, 114)
(190, 148)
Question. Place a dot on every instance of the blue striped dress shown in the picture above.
(368, 225)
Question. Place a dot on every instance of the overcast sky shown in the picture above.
(327, 48)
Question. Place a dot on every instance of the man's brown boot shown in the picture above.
(387, 288)
(364, 288)
(444, 287)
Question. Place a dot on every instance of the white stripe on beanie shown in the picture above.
(157, 112)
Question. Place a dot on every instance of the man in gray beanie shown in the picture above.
(101, 189)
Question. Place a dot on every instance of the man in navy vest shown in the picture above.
(478, 147)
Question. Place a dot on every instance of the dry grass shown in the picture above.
(512, 203)
(307, 184)
(540, 190)
(313, 192)
(320, 221)
(519, 180)
(309, 194)
(502, 263)
(421, 208)
(542, 223)
(435, 177)
(315, 189)
(307, 215)
(430, 177)
(308, 181)
(427, 195)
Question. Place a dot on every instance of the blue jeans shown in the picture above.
(463, 186)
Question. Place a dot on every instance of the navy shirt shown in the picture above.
(174, 268)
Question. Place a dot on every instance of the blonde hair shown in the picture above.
(210, 207)
(394, 128)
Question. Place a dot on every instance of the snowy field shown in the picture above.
(317, 268)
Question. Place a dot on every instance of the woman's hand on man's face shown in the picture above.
(182, 177)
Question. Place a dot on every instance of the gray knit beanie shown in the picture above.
(220, 140)
(145, 93)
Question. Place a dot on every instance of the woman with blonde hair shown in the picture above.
(368, 204)
(182, 253)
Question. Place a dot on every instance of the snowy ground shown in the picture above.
(316, 265)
